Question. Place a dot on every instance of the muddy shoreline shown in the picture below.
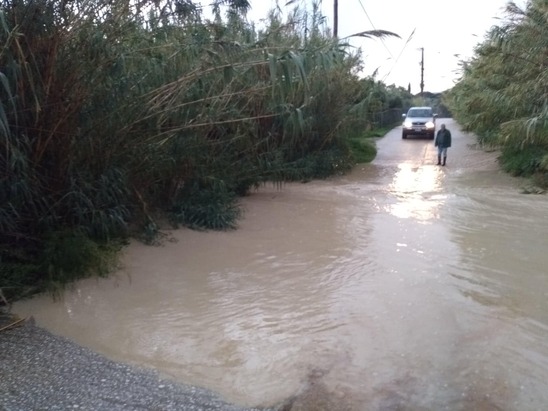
(39, 371)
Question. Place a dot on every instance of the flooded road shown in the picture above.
(400, 286)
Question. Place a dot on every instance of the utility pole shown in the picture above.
(422, 71)
(335, 18)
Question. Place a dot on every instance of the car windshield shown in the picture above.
(420, 112)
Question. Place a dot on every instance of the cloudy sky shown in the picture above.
(448, 30)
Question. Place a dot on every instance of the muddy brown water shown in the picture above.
(400, 286)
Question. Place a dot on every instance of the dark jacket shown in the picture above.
(443, 138)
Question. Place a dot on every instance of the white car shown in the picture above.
(419, 121)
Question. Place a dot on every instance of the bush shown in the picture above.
(522, 162)
(210, 207)
(363, 150)
(65, 257)
(113, 114)
(69, 255)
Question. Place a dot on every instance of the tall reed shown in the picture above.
(503, 94)
(115, 113)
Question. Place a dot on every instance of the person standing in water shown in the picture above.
(442, 142)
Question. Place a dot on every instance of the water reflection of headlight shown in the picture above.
(418, 191)
(429, 124)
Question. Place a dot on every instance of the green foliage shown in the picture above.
(69, 255)
(502, 94)
(363, 150)
(18, 279)
(321, 164)
(206, 208)
(64, 257)
(115, 113)
(434, 100)
(380, 132)
(523, 162)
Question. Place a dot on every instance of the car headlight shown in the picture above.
(407, 124)
(429, 124)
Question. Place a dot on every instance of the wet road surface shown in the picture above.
(400, 286)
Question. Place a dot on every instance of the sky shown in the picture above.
(447, 30)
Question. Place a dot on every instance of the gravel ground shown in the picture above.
(41, 371)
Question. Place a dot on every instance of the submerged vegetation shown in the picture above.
(503, 95)
(116, 115)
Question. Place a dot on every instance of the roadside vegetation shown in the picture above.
(503, 94)
(116, 116)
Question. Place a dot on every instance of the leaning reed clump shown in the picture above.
(503, 95)
(113, 113)
(55, 174)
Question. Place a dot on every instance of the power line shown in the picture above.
(399, 55)
(374, 28)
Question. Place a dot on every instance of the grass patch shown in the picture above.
(524, 163)
(67, 256)
(363, 149)
(206, 208)
(379, 132)
(531, 162)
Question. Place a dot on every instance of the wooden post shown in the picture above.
(422, 71)
(335, 18)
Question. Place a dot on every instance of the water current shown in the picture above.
(402, 285)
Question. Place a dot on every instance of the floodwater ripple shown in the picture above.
(402, 285)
